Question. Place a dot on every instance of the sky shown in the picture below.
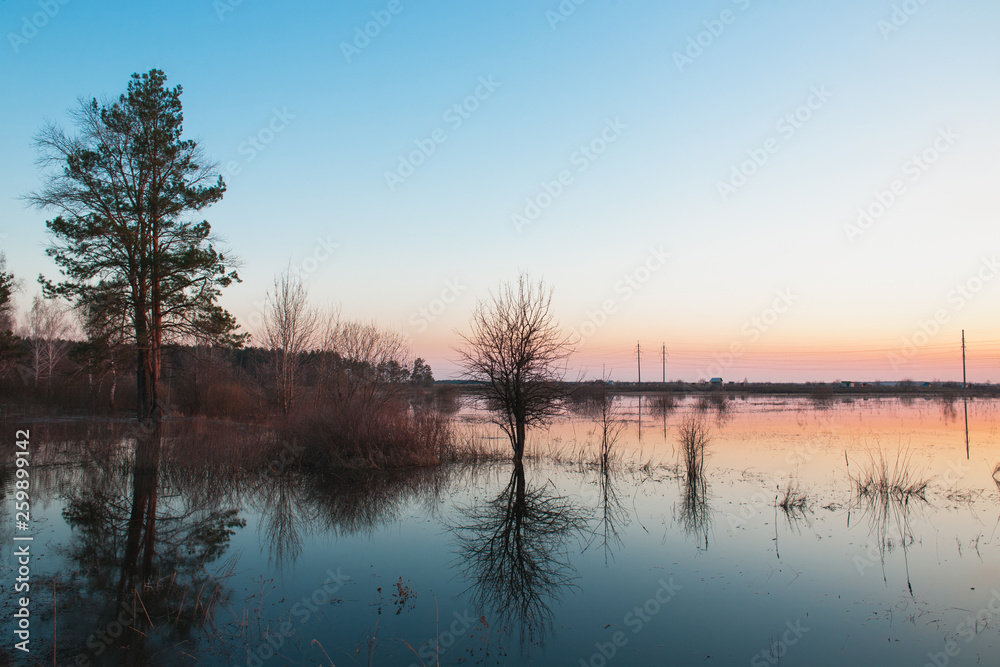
(771, 190)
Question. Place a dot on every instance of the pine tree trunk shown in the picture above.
(146, 405)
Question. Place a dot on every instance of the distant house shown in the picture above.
(846, 384)
(716, 382)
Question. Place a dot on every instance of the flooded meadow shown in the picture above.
(845, 531)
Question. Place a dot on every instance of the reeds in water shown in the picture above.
(795, 499)
(897, 481)
(694, 441)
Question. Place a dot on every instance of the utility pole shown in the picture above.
(638, 361)
(638, 366)
(664, 364)
(965, 398)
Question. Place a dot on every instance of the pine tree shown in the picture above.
(125, 188)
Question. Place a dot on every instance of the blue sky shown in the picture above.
(329, 126)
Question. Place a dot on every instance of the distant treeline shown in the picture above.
(811, 389)
(64, 376)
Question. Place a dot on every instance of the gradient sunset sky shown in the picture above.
(698, 168)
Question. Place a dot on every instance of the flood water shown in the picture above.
(563, 565)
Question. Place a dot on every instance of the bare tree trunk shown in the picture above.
(519, 440)
(114, 384)
(519, 484)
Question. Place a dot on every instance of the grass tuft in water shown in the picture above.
(694, 441)
(795, 499)
(898, 481)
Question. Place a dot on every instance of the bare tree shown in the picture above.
(327, 334)
(10, 346)
(288, 331)
(373, 365)
(517, 352)
(46, 332)
(8, 286)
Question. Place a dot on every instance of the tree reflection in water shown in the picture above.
(612, 515)
(293, 504)
(513, 550)
(141, 589)
(695, 511)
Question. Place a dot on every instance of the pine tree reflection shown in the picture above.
(141, 551)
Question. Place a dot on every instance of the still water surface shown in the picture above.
(474, 564)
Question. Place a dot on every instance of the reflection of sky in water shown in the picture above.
(842, 574)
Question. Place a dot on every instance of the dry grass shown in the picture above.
(390, 438)
(897, 481)
(472, 444)
(795, 499)
(694, 441)
(664, 403)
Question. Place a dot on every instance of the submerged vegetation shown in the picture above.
(795, 499)
(885, 482)
(694, 513)
(520, 536)
(694, 441)
(663, 403)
